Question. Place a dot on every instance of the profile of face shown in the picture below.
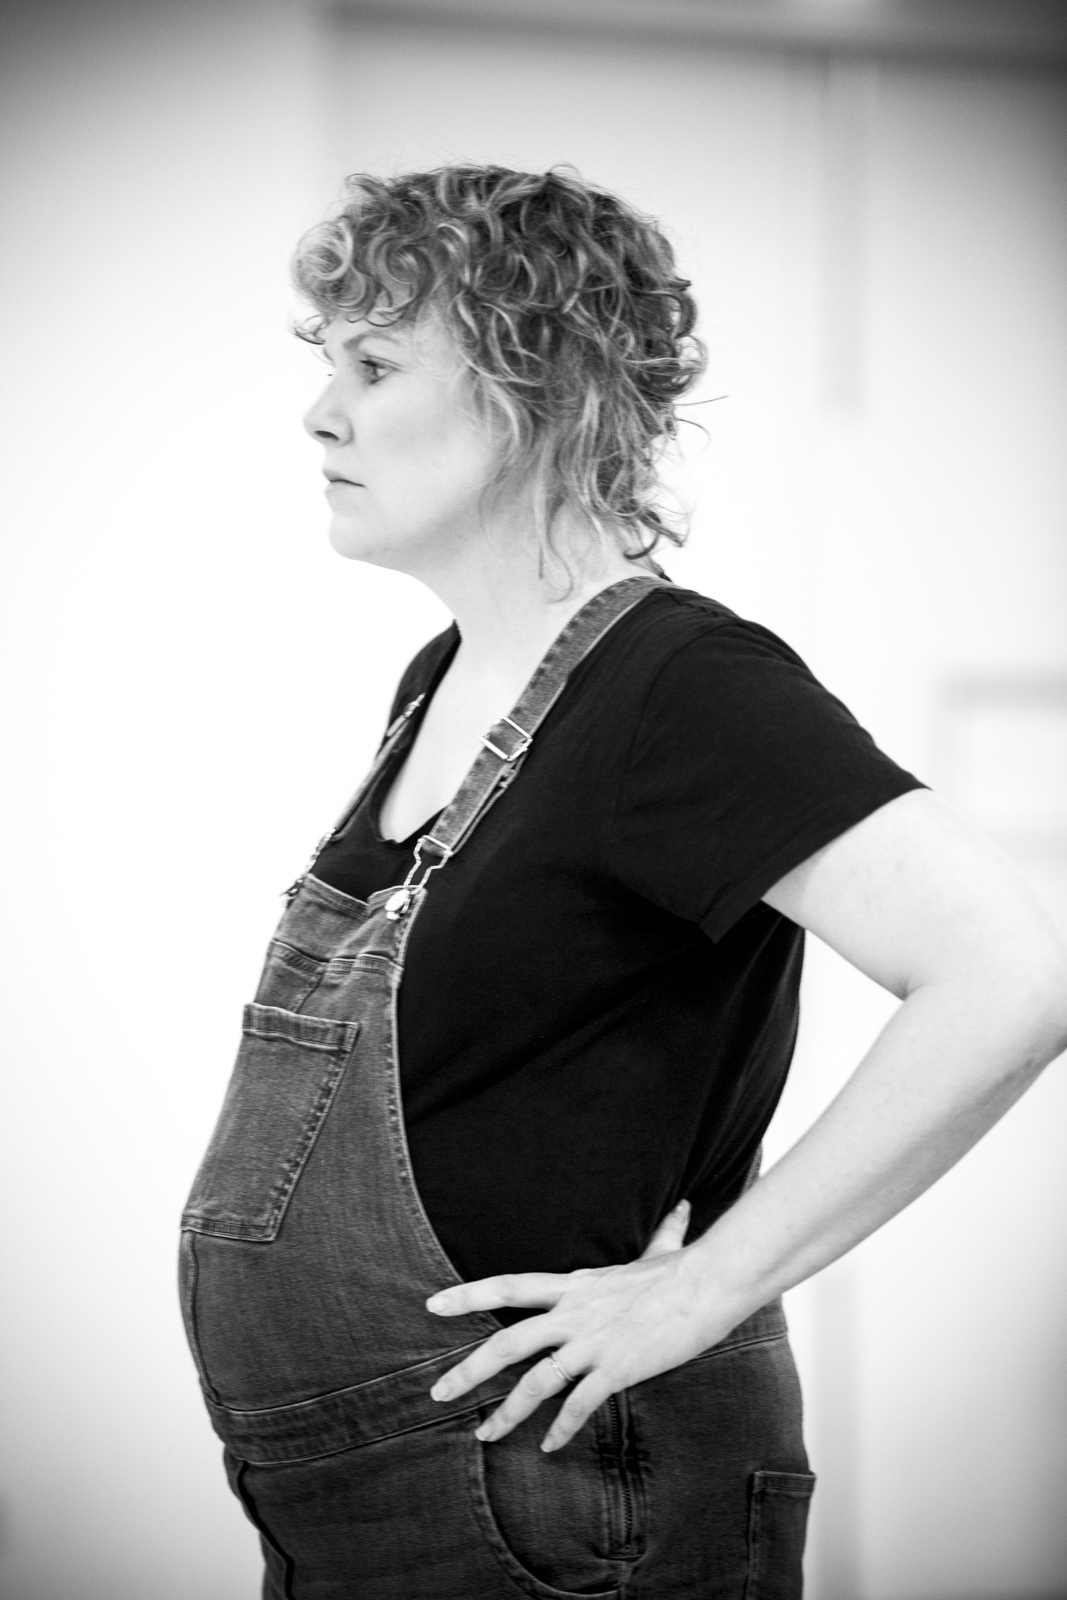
(406, 457)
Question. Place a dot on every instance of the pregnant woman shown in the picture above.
(479, 1271)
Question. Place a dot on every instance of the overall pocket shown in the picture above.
(549, 1519)
(284, 1080)
(777, 1522)
(289, 977)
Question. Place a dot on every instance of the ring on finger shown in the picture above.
(553, 1356)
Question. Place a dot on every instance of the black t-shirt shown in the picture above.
(598, 1012)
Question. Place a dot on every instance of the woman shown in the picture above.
(479, 1273)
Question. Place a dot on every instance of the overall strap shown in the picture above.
(391, 738)
(508, 740)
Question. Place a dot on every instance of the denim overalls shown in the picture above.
(306, 1260)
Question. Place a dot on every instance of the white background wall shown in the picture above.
(193, 681)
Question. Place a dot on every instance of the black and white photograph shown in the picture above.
(534, 818)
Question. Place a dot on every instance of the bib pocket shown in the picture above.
(284, 1081)
(290, 976)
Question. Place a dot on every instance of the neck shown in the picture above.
(509, 605)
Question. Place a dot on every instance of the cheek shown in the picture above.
(428, 455)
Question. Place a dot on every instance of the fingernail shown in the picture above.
(486, 1432)
(548, 1444)
(441, 1390)
(437, 1302)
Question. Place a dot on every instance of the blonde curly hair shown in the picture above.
(565, 307)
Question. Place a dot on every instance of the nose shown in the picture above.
(326, 421)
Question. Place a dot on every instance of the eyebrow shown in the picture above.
(357, 339)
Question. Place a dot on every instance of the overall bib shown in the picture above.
(306, 1261)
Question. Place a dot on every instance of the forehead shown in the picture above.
(424, 337)
(351, 332)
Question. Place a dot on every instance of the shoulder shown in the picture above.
(728, 706)
(741, 764)
(685, 643)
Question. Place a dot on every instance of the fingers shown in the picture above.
(540, 1383)
(595, 1316)
(670, 1234)
(510, 1344)
(576, 1410)
(510, 1289)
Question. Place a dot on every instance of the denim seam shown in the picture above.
(295, 958)
(447, 1357)
(194, 1333)
(349, 1448)
(304, 1044)
(329, 898)
(429, 1244)
(340, 1036)
(741, 1344)
(247, 1500)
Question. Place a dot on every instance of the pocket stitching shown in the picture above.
(295, 959)
(312, 1033)
(287, 1038)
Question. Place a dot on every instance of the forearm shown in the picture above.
(950, 1062)
(912, 898)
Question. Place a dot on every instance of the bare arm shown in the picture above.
(930, 910)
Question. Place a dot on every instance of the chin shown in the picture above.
(353, 539)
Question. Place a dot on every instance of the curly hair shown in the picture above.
(565, 307)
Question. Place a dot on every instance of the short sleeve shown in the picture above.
(741, 766)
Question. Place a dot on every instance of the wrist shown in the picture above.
(725, 1282)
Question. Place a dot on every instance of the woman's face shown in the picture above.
(406, 458)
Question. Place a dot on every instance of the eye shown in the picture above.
(374, 370)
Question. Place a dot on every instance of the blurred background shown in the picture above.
(871, 199)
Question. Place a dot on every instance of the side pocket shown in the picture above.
(777, 1524)
(284, 1080)
(544, 1517)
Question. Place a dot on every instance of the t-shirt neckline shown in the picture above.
(389, 772)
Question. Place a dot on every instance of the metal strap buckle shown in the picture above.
(398, 722)
(399, 903)
(525, 741)
(426, 839)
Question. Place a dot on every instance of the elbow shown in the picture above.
(1012, 991)
(1057, 1005)
(1036, 994)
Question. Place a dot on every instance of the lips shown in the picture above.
(335, 478)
